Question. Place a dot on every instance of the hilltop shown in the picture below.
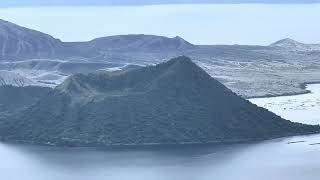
(175, 102)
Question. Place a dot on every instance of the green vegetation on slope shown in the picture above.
(14, 99)
(170, 103)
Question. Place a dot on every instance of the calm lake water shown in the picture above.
(300, 108)
(275, 159)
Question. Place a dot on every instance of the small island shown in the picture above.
(175, 102)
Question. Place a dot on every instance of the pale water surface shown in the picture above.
(276, 160)
(294, 158)
(300, 108)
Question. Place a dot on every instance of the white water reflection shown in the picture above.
(276, 158)
(299, 108)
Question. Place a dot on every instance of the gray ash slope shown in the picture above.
(171, 103)
(17, 42)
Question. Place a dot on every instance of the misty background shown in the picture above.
(252, 22)
(9, 3)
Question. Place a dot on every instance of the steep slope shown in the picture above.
(17, 42)
(14, 99)
(171, 103)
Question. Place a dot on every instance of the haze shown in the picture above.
(10, 3)
(200, 24)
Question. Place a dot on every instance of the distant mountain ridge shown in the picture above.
(106, 46)
(171, 103)
(295, 45)
(47, 61)
(141, 42)
(17, 41)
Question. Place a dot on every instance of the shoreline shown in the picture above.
(303, 86)
(155, 145)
